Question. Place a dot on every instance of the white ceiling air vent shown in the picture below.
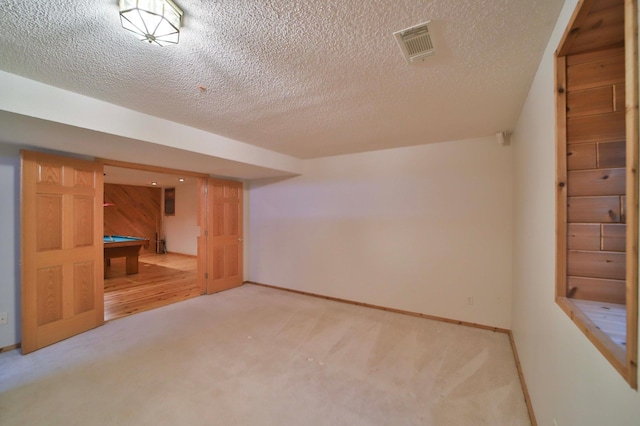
(415, 42)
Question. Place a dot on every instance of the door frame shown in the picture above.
(202, 212)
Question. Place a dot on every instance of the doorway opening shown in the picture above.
(162, 208)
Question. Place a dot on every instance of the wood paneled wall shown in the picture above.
(136, 211)
(596, 175)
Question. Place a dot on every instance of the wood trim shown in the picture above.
(10, 347)
(632, 117)
(525, 391)
(384, 308)
(612, 352)
(149, 168)
(561, 176)
(624, 360)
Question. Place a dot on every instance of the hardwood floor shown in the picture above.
(162, 279)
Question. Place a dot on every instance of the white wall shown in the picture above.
(10, 243)
(420, 229)
(568, 379)
(181, 231)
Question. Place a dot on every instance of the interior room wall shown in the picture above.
(569, 381)
(135, 212)
(422, 229)
(10, 243)
(181, 230)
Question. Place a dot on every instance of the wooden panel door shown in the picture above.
(62, 264)
(224, 235)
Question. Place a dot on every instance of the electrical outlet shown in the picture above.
(4, 318)
(469, 300)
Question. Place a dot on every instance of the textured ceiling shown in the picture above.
(304, 78)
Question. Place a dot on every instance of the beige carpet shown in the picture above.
(258, 356)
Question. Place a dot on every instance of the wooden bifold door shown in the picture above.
(225, 239)
(62, 259)
(62, 245)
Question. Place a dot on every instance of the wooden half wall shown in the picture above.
(136, 211)
(596, 186)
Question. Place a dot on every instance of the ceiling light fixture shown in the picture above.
(153, 21)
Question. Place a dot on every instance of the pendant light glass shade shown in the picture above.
(153, 21)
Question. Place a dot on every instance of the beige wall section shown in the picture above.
(181, 231)
(568, 379)
(10, 243)
(419, 229)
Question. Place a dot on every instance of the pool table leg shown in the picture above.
(132, 265)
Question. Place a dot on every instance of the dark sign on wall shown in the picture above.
(169, 201)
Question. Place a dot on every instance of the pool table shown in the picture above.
(121, 246)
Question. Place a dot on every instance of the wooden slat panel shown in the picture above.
(589, 102)
(593, 209)
(594, 56)
(611, 291)
(580, 24)
(611, 154)
(593, 264)
(136, 212)
(604, 72)
(614, 237)
(584, 236)
(596, 128)
(601, 7)
(605, 4)
(597, 182)
(601, 28)
(582, 156)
